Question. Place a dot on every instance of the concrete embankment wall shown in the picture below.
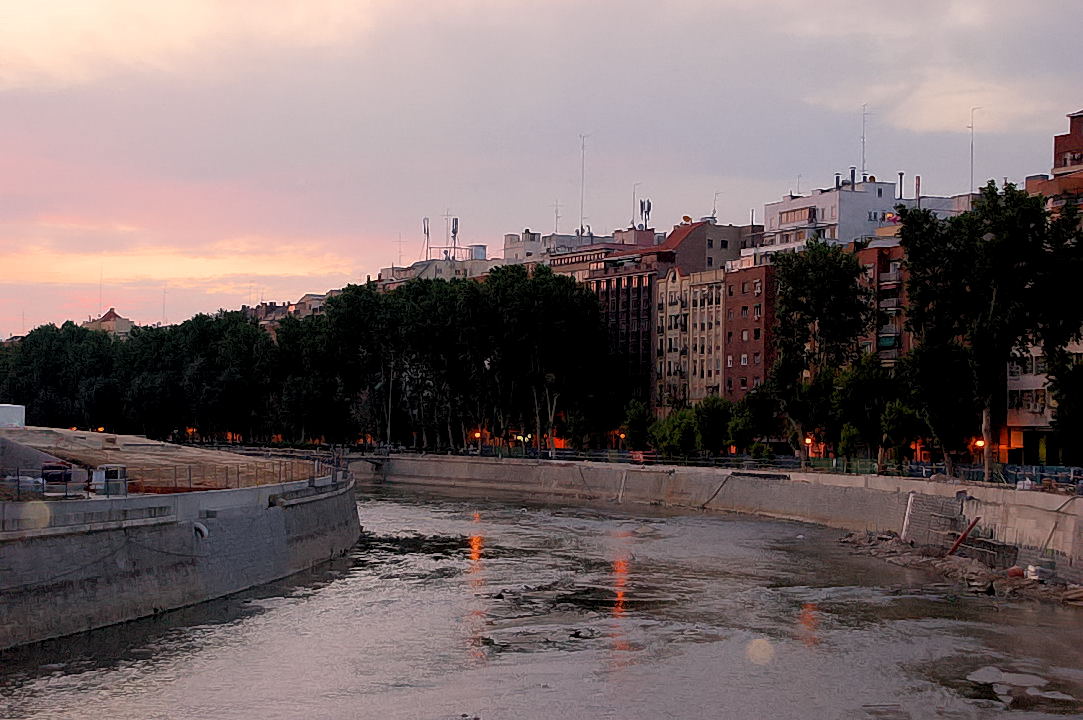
(73, 565)
(1038, 523)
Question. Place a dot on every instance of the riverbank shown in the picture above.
(70, 565)
(1013, 526)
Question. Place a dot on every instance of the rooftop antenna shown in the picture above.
(399, 243)
(864, 115)
(645, 211)
(454, 234)
(447, 227)
(798, 183)
(714, 205)
(970, 200)
(582, 177)
(635, 185)
(556, 216)
(425, 229)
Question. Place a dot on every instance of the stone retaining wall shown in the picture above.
(73, 565)
(1037, 523)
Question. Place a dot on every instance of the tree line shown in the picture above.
(429, 364)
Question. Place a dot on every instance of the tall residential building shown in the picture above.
(689, 338)
(1028, 433)
(885, 275)
(625, 282)
(747, 349)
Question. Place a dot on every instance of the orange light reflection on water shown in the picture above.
(809, 619)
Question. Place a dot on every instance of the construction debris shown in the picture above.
(977, 577)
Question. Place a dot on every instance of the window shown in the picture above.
(756, 382)
(729, 361)
(710, 243)
(755, 358)
(729, 290)
(879, 192)
(757, 287)
(744, 358)
(723, 244)
(756, 334)
(729, 337)
(744, 335)
(744, 383)
(744, 311)
(757, 311)
(729, 314)
(744, 288)
(710, 261)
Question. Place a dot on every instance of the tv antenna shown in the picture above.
(582, 178)
(425, 230)
(714, 204)
(556, 216)
(864, 115)
(635, 186)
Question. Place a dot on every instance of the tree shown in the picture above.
(822, 310)
(861, 393)
(982, 278)
(636, 425)
(712, 416)
(676, 433)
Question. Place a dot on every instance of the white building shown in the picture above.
(841, 214)
(531, 246)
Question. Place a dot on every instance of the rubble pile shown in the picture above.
(975, 575)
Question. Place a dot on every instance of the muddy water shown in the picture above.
(450, 608)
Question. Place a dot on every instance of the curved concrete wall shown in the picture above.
(1036, 522)
(75, 565)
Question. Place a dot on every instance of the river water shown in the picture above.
(450, 608)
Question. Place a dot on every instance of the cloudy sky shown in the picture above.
(197, 154)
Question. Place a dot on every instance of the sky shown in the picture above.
(174, 157)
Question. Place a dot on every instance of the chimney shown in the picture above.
(838, 180)
(900, 185)
(752, 216)
(917, 190)
(864, 177)
(853, 176)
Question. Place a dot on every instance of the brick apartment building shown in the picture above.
(626, 284)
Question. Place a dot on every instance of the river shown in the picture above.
(451, 609)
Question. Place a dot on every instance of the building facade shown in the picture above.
(747, 350)
(112, 324)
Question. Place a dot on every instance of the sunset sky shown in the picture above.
(210, 153)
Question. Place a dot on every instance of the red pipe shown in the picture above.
(962, 537)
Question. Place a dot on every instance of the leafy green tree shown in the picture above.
(982, 278)
(713, 415)
(675, 435)
(861, 393)
(636, 426)
(822, 311)
(901, 425)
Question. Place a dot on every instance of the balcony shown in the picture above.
(890, 303)
(888, 330)
(889, 278)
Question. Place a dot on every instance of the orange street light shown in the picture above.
(477, 435)
(621, 436)
(979, 443)
(808, 441)
(101, 428)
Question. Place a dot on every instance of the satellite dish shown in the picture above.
(687, 219)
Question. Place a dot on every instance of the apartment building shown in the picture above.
(747, 351)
